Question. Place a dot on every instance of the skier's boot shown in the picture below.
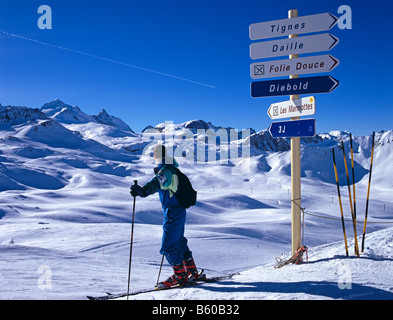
(180, 277)
(191, 268)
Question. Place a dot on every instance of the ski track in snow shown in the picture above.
(66, 212)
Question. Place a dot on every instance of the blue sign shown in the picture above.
(286, 87)
(295, 128)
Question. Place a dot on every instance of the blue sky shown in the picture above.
(203, 41)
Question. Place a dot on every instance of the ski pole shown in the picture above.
(350, 201)
(339, 200)
(159, 272)
(353, 178)
(132, 236)
(368, 191)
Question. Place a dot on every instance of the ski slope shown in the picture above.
(66, 212)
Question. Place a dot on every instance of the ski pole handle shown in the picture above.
(135, 183)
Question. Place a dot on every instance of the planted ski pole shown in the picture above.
(350, 201)
(339, 200)
(353, 178)
(159, 272)
(131, 242)
(368, 192)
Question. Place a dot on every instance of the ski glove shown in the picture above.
(137, 190)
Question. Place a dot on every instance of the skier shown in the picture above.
(174, 244)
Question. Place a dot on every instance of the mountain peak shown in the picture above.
(64, 113)
(104, 118)
(103, 113)
(54, 104)
(198, 124)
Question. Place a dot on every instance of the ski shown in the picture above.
(201, 280)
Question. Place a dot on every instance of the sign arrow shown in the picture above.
(281, 68)
(292, 108)
(294, 128)
(299, 45)
(299, 25)
(285, 87)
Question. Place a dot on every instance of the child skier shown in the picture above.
(174, 244)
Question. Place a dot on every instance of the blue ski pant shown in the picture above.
(174, 244)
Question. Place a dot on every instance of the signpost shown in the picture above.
(293, 128)
(281, 68)
(292, 108)
(296, 196)
(294, 86)
(298, 45)
(282, 87)
(299, 25)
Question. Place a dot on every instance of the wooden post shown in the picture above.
(295, 168)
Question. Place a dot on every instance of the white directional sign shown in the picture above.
(300, 25)
(281, 68)
(284, 47)
(292, 108)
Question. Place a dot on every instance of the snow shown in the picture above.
(66, 212)
(328, 274)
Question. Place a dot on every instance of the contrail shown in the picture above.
(107, 59)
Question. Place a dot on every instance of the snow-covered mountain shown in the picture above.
(60, 125)
(65, 178)
(10, 116)
(61, 112)
(193, 126)
(104, 118)
(35, 145)
(67, 114)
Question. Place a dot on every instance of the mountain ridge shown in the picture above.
(49, 140)
(67, 114)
